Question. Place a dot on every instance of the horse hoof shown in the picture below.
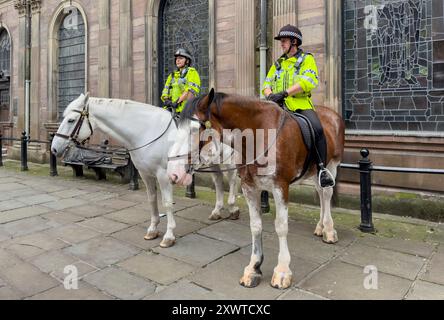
(251, 280)
(330, 237)
(281, 280)
(318, 232)
(167, 243)
(235, 215)
(151, 235)
(215, 217)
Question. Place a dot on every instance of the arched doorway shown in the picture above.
(71, 60)
(184, 24)
(5, 76)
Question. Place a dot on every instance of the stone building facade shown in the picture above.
(381, 64)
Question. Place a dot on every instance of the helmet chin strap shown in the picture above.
(293, 43)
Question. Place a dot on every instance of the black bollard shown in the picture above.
(24, 151)
(191, 193)
(365, 168)
(265, 203)
(134, 177)
(1, 150)
(52, 159)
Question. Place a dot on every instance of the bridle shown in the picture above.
(84, 114)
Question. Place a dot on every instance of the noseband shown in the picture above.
(84, 114)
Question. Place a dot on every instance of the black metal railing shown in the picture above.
(365, 167)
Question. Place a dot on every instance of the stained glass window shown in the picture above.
(5, 67)
(394, 65)
(184, 24)
(71, 60)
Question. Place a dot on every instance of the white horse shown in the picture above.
(147, 132)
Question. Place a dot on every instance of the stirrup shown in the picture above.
(325, 170)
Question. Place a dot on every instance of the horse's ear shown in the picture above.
(211, 96)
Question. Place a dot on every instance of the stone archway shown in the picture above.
(152, 12)
(54, 50)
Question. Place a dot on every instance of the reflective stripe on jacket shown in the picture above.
(180, 81)
(285, 73)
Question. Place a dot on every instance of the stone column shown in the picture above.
(20, 51)
(333, 60)
(126, 49)
(35, 71)
(104, 49)
(284, 12)
(245, 47)
(151, 48)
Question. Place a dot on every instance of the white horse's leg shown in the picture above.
(320, 225)
(151, 190)
(329, 234)
(218, 180)
(282, 275)
(252, 273)
(166, 189)
(233, 183)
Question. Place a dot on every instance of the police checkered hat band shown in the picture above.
(284, 34)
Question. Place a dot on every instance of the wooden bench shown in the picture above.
(116, 159)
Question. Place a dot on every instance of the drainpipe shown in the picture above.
(28, 70)
(263, 46)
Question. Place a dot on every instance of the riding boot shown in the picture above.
(326, 179)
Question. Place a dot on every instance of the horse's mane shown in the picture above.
(219, 98)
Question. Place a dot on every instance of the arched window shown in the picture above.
(5, 74)
(184, 24)
(71, 60)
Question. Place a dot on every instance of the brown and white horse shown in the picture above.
(220, 112)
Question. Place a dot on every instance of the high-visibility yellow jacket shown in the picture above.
(286, 72)
(180, 81)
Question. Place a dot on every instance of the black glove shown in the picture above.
(175, 105)
(278, 97)
(168, 104)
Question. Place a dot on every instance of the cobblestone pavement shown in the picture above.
(48, 223)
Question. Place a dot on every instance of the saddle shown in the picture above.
(309, 137)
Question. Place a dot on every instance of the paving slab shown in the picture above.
(158, 268)
(391, 262)
(54, 263)
(183, 226)
(184, 290)
(342, 281)
(434, 270)
(12, 186)
(38, 199)
(131, 215)
(298, 294)
(102, 252)
(26, 226)
(73, 233)
(64, 204)
(27, 279)
(8, 195)
(120, 284)
(22, 213)
(230, 232)
(7, 259)
(98, 196)
(6, 293)
(103, 225)
(84, 292)
(421, 249)
(89, 211)
(135, 236)
(197, 250)
(32, 245)
(70, 193)
(58, 219)
(115, 204)
(426, 291)
(199, 213)
(11, 204)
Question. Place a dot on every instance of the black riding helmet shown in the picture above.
(181, 52)
(291, 32)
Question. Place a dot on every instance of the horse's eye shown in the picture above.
(71, 121)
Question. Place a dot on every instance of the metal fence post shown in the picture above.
(52, 159)
(365, 168)
(24, 151)
(191, 193)
(134, 176)
(1, 149)
(265, 202)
